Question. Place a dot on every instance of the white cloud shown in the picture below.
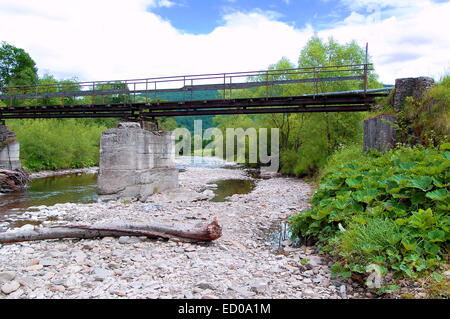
(104, 39)
(113, 39)
(164, 3)
(411, 43)
(370, 5)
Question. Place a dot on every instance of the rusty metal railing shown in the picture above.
(154, 89)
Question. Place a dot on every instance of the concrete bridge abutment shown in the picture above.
(379, 131)
(9, 149)
(135, 163)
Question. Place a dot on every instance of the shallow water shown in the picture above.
(50, 191)
(74, 188)
(230, 187)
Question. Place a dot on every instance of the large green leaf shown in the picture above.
(365, 196)
(421, 182)
(355, 182)
(406, 165)
(436, 235)
(438, 194)
(409, 245)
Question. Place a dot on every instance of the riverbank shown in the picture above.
(45, 174)
(240, 264)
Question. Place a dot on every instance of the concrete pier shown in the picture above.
(135, 163)
(380, 131)
(9, 149)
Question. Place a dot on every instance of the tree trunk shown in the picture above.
(189, 233)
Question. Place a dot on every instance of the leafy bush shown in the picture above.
(55, 144)
(388, 209)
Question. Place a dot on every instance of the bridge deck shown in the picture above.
(149, 98)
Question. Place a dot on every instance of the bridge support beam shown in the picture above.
(9, 149)
(135, 163)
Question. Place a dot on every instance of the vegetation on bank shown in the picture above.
(308, 139)
(385, 216)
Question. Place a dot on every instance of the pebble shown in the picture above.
(10, 287)
(7, 276)
(134, 267)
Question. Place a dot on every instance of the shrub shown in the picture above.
(55, 144)
(386, 208)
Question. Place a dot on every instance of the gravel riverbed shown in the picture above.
(240, 264)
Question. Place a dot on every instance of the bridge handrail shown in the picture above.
(265, 78)
(308, 70)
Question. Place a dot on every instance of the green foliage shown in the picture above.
(423, 121)
(16, 67)
(55, 144)
(390, 209)
(308, 139)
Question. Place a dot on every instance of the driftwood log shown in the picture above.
(189, 233)
(13, 181)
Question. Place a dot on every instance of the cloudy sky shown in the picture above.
(113, 39)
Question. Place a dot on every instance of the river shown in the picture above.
(82, 188)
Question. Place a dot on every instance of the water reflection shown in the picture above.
(52, 190)
(230, 187)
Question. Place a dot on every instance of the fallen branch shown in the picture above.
(189, 233)
(13, 181)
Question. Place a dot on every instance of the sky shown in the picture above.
(94, 40)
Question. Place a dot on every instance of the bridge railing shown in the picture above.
(266, 83)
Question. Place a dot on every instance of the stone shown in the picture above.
(7, 276)
(258, 286)
(414, 87)
(343, 291)
(46, 262)
(10, 287)
(205, 285)
(210, 297)
(34, 267)
(101, 274)
(308, 292)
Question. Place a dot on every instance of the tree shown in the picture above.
(17, 68)
(308, 139)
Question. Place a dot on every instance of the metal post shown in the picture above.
(93, 94)
(146, 92)
(103, 96)
(224, 87)
(231, 81)
(365, 70)
(184, 89)
(124, 94)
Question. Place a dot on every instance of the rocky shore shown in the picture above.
(240, 264)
